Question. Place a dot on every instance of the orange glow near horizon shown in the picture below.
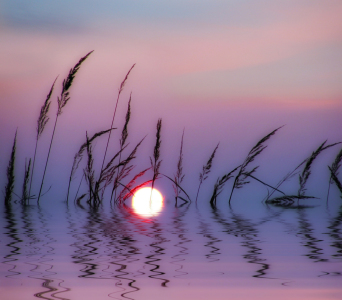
(147, 202)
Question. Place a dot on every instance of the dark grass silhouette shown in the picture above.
(241, 178)
(156, 162)
(79, 155)
(41, 123)
(206, 170)
(118, 173)
(122, 85)
(287, 200)
(62, 101)
(10, 173)
(25, 195)
(334, 169)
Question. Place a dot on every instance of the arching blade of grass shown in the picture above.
(62, 101)
(304, 176)
(335, 179)
(334, 169)
(10, 173)
(220, 184)
(243, 174)
(123, 195)
(79, 155)
(178, 186)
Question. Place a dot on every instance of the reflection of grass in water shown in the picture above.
(114, 172)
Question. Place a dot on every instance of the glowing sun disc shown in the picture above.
(147, 202)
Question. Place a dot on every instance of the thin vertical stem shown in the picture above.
(47, 159)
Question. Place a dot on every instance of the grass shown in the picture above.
(119, 173)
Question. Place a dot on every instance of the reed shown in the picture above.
(243, 173)
(129, 187)
(79, 155)
(124, 136)
(25, 195)
(334, 169)
(89, 174)
(62, 101)
(179, 177)
(220, 184)
(156, 162)
(304, 176)
(122, 85)
(206, 170)
(41, 123)
(10, 172)
(107, 174)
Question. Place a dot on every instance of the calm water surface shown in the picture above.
(189, 252)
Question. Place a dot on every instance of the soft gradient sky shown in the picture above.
(228, 71)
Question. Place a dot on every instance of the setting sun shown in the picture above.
(147, 202)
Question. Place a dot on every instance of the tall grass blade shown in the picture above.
(124, 136)
(130, 184)
(304, 176)
(334, 169)
(155, 163)
(10, 173)
(62, 101)
(122, 85)
(243, 174)
(25, 196)
(335, 179)
(206, 170)
(41, 123)
(79, 155)
(178, 178)
(89, 174)
(220, 184)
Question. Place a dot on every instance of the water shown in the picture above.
(188, 252)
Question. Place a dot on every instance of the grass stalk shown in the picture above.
(41, 123)
(243, 173)
(26, 196)
(122, 85)
(10, 172)
(206, 170)
(155, 163)
(334, 168)
(62, 101)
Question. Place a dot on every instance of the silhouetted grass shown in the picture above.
(243, 173)
(79, 155)
(122, 85)
(206, 170)
(62, 101)
(303, 178)
(26, 196)
(117, 171)
(10, 172)
(155, 162)
(334, 169)
(41, 123)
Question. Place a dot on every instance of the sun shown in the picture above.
(147, 202)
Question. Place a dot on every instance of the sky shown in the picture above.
(228, 71)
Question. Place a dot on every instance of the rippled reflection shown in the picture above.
(115, 253)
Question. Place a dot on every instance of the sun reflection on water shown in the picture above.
(147, 202)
